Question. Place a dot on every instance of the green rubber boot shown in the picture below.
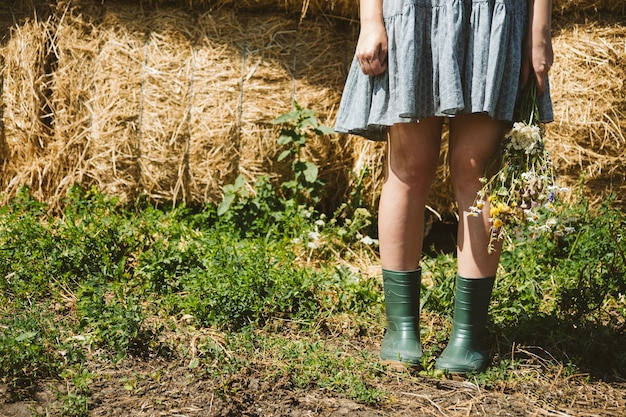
(402, 300)
(466, 351)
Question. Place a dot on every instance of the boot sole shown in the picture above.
(395, 363)
(460, 371)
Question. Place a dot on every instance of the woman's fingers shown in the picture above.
(374, 63)
(371, 51)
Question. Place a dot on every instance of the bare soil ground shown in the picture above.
(155, 387)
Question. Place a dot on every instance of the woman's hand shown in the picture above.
(538, 55)
(371, 49)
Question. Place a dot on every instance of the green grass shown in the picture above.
(105, 281)
(268, 284)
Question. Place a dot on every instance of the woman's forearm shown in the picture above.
(540, 18)
(538, 45)
(371, 12)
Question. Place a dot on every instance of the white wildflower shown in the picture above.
(474, 211)
(524, 137)
(366, 240)
(545, 228)
(554, 188)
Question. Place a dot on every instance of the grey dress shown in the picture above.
(445, 57)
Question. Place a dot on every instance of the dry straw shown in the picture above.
(116, 50)
(350, 8)
(337, 8)
(25, 134)
(174, 103)
(589, 94)
(164, 102)
(589, 6)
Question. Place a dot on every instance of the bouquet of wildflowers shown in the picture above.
(523, 196)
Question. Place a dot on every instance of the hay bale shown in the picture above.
(71, 88)
(166, 101)
(26, 123)
(248, 69)
(588, 6)
(170, 104)
(215, 110)
(115, 104)
(267, 88)
(350, 8)
(338, 8)
(175, 104)
(589, 94)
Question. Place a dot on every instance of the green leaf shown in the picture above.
(229, 189)
(193, 364)
(286, 118)
(290, 185)
(285, 138)
(225, 204)
(325, 130)
(309, 121)
(26, 336)
(283, 155)
(298, 167)
(307, 113)
(502, 191)
(239, 182)
(311, 172)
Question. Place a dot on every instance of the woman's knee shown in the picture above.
(474, 144)
(413, 153)
(466, 170)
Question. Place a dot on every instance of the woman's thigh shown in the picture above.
(474, 141)
(413, 149)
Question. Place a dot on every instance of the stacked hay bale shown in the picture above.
(25, 122)
(577, 7)
(589, 76)
(350, 8)
(174, 99)
(163, 102)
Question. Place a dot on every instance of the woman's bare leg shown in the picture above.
(412, 160)
(474, 141)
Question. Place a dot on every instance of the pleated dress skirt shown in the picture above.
(445, 58)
